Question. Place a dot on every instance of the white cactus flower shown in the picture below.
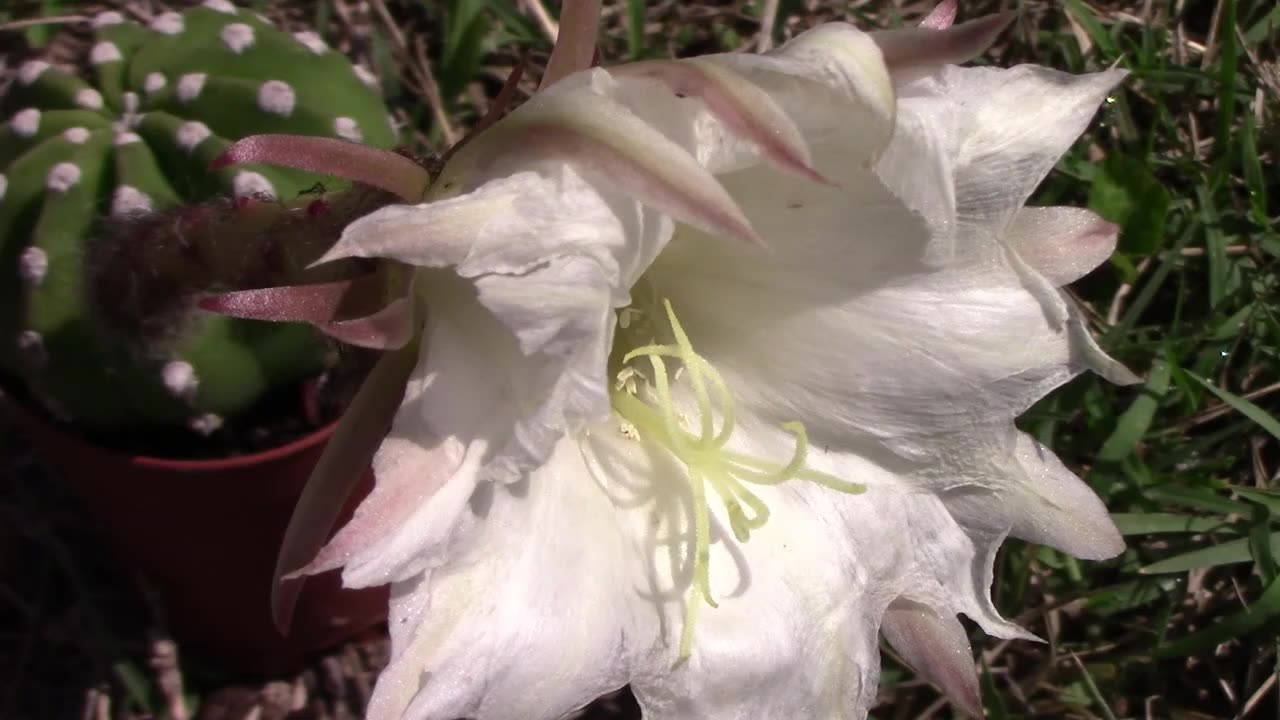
(718, 378)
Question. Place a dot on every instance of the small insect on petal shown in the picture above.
(603, 138)
(742, 106)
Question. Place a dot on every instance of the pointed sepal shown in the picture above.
(937, 648)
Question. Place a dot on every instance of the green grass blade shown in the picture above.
(1215, 241)
(1158, 523)
(635, 28)
(1242, 406)
(1269, 500)
(1228, 67)
(1251, 162)
(1093, 28)
(1266, 27)
(1262, 544)
(1228, 553)
(1136, 420)
(1197, 498)
(1091, 687)
(1242, 623)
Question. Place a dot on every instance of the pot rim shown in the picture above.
(186, 465)
(235, 462)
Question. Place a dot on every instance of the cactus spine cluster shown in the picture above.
(91, 171)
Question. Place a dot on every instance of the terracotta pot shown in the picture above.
(205, 533)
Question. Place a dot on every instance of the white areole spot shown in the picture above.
(76, 135)
(276, 97)
(89, 98)
(191, 134)
(347, 129)
(128, 200)
(131, 102)
(365, 76)
(222, 6)
(190, 85)
(26, 122)
(249, 183)
(107, 17)
(33, 265)
(237, 37)
(31, 343)
(62, 177)
(126, 137)
(167, 23)
(180, 379)
(206, 424)
(154, 83)
(31, 70)
(4, 186)
(104, 52)
(311, 41)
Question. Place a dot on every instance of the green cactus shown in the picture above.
(86, 162)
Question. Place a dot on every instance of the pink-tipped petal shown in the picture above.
(606, 141)
(923, 47)
(388, 329)
(1061, 243)
(743, 107)
(399, 493)
(330, 156)
(576, 44)
(942, 16)
(344, 460)
(355, 311)
(937, 648)
(706, 205)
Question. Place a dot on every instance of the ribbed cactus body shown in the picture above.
(80, 158)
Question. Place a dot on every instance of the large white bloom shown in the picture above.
(746, 331)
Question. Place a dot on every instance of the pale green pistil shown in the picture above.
(704, 456)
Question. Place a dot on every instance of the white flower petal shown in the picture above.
(477, 422)
(1088, 354)
(893, 315)
(855, 335)
(539, 253)
(1001, 130)
(512, 225)
(1056, 508)
(529, 619)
